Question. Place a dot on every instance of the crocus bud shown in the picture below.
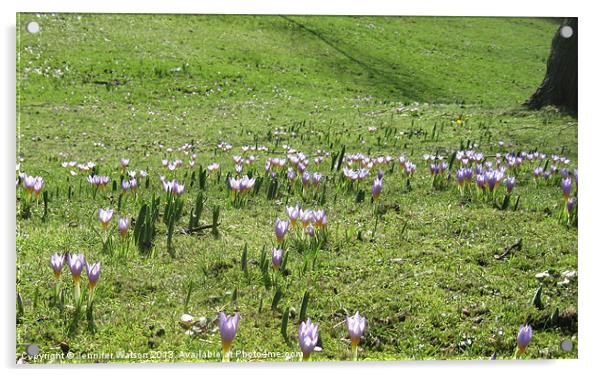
(227, 328)
(276, 258)
(525, 334)
(377, 187)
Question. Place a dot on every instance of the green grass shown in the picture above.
(427, 282)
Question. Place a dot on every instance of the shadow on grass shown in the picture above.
(382, 77)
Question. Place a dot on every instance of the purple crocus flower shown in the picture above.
(124, 163)
(293, 213)
(510, 181)
(320, 219)
(570, 204)
(460, 176)
(276, 258)
(305, 178)
(93, 271)
(227, 328)
(315, 178)
(123, 225)
(76, 265)
(377, 187)
(38, 185)
(105, 215)
(356, 325)
(280, 228)
(56, 262)
(290, 174)
(310, 230)
(306, 216)
(380, 174)
(525, 334)
(481, 181)
(308, 337)
(565, 185)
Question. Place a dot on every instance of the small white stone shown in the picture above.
(542, 275)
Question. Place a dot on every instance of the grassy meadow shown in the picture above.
(439, 270)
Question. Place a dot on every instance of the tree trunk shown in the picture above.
(559, 86)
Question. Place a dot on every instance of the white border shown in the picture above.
(589, 138)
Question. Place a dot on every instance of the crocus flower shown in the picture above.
(123, 225)
(38, 185)
(56, 262)
(320, 218)
(525, 334)
(293, 213)
(306, 217)
(377, 187)
(460, 177)
(105, 215)
(124, 162)
(356, 325)
(380, 174)
(570, 204)
(315, 178)
(276, 258)
(93, 272)
(510, 181)
(305, 178)
(227, 328)
(310, 231)
(565, 185)
(280, 228)
(76, 265)
(308, 337)
(213, 167)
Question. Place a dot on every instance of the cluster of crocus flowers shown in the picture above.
(308, 338)
(464, 177)
(280, 229)
(129, 185)
(310, 219)
(274, 162)
(525, 334)
(241, 185)
(98, 181)
(213, 167)
(172, 165)
(356, 325)
(406, 165)
(354, 175)
(172, 187)
(105, 215)
(33, 185)
(227, 328)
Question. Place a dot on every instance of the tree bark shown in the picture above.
(559, 86)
